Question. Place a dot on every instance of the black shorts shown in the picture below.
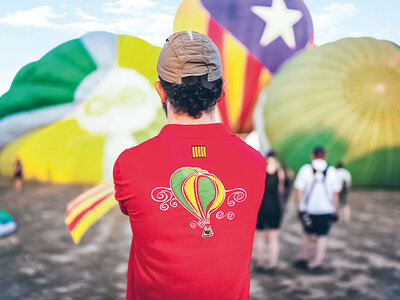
(269, 221)
(18, 175)
(342, 199)
(320, 224)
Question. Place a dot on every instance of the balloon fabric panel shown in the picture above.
(11, 152)
(250, 28)
(107, 95)
(81, 164)
(247, 65)
(143, 59)
(41, 83)
(350, 90)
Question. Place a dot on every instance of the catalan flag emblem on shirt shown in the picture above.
(199, 151)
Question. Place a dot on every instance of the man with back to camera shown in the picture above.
(317, 187)
(192, 193)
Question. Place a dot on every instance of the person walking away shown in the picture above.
(345, 181)
(192, 192)
(18, 174)
(270, 216)
(317, 186)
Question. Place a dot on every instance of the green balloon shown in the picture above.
(344, 96)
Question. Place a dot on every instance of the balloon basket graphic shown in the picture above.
(207, 231)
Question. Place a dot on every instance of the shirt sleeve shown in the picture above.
(120, 187)
(348, 178)
(301, 179)
(335, 182)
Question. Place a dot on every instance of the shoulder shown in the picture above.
(332, 171)
(129, 158)
(303, 176)
(304, 169)
(245, 150)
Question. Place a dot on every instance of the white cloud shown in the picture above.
(39, 17)
(127, 6)
(137, 18)
(169, 7)
(326, 23)
(153, 27)
(340, 9)
(6, 77)
(82, 14)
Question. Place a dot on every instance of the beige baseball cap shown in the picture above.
(188, 53)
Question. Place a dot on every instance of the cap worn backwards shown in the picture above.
(189, 53)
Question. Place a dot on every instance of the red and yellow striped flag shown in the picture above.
(199, 151)
(87, 208)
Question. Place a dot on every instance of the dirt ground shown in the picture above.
(41, 262)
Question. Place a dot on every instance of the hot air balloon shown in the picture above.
(344, 96)
(7, 224)
(254, 38)
(88, 208)
(200, 192)
(69, 115)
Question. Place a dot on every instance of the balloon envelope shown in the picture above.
(7, 224)
(71, 113)
(254, 39)
(344, 96)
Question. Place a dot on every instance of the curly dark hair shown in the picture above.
(194, 95)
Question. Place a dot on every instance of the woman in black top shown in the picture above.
(18, 174)
(269, 216)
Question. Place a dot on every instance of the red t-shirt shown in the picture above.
(192, 194)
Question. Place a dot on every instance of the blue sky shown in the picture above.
(30, 28)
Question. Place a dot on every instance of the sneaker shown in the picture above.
(301, 264)
(259, 269)
(270, 271)
(317, 270)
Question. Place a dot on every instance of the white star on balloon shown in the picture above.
(279, 22)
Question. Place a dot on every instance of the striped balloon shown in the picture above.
(88, 208)
(200, 192)
(247, 65)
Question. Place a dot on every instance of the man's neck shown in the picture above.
(185, 119)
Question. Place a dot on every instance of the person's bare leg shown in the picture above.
(18, 184)
(346, 214)
(304, 252)
(260, 247)
(273, 239)
(320, 251)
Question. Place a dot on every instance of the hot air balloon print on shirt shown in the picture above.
(201, 193)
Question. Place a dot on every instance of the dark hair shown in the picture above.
(339, 165)
(319, 152)
(194, 95)
(271, 153)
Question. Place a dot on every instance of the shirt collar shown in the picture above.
(194, 130)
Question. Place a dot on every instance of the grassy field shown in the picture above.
(41, 262)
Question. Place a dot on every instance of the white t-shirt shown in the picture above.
(320, 196)
(344, 176)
